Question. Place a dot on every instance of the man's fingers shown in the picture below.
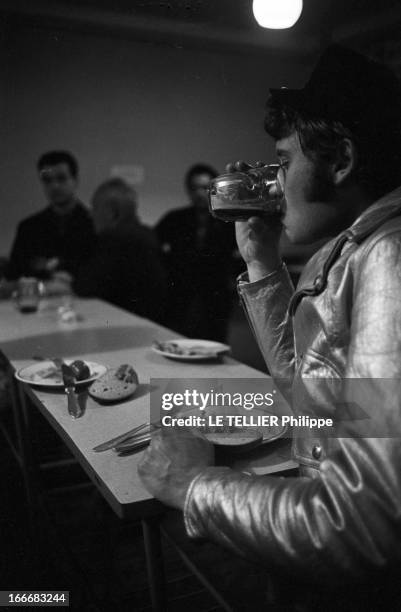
(239, 166)
(144, 462)
(260, 224)
(242, 166)
(257, 224)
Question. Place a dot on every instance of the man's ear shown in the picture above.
(345, 162)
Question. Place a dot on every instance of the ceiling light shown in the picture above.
(277, 14)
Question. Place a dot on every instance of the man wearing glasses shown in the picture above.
(57, 239)
(338, 524)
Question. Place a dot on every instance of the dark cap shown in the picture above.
(348, 87)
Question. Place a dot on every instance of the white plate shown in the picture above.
(35, 374)
(266, 434)
(207, 349)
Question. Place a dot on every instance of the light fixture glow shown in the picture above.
(277, 14)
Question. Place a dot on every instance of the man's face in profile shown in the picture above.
(59, 185)
(313, 209)
(198, 191)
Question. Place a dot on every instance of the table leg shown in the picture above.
(21, 421)
(154, 563)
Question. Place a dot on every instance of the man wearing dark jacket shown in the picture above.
(60, 237)
(199, 254)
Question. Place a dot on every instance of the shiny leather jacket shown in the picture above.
(341, 518)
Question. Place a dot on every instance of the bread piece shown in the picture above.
(116, 385)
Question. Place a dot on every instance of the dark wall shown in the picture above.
(115, 101)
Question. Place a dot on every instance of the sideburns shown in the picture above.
(320, 187)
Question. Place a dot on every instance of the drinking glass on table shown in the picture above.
(66, 313)
(27, 294)
(60, 287)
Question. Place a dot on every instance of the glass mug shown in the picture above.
(240, 195)
(27, 295)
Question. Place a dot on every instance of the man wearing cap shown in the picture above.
(338, 141)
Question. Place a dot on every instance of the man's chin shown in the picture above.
(291, 235)
(297, 237)
(61, 203)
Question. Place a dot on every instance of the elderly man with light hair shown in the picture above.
(126, 268)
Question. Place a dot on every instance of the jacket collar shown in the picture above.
(371, 219)
(377, 214)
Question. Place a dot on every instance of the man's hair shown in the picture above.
(52, 158)
(124, 200)
(198, 169)
(378, 145)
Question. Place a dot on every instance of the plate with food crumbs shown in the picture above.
(187, 349)
(48, 374)
(117, 384)
(237, 437)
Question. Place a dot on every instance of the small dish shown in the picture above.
(46, 374)
(237, 438)
(188, 349)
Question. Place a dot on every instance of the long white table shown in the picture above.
(109, 336)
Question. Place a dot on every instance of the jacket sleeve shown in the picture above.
(266, 305)
(347, 521)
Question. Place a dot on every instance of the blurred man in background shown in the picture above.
(60, 237)
(126, 267)
(199, 253)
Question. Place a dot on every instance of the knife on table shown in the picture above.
(74, 409)
(135, 433)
